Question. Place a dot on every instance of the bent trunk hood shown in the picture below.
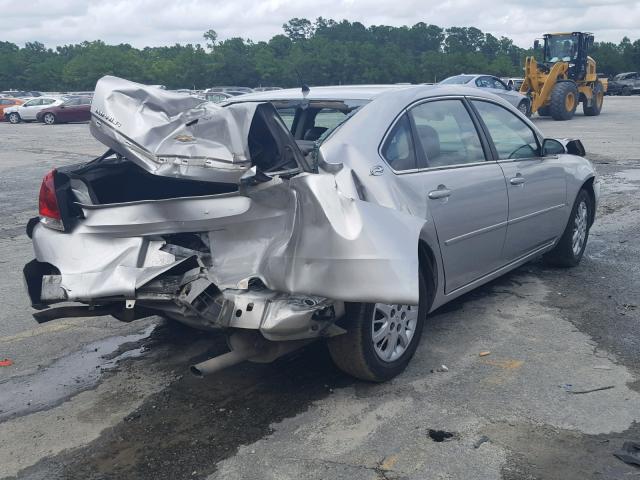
(172, 134)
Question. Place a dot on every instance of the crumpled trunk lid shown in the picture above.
(175, 135)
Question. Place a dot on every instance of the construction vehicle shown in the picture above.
(566, 76)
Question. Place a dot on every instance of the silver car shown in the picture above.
(350, 221)
(494, 85)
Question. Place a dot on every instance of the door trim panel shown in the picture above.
(480, 231)
(533, 214)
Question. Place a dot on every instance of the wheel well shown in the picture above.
(588, 187)
(429, 268)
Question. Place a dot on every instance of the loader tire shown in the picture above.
(544, 111)
(564, 100)
(596, 103)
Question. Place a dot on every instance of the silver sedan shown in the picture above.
(494, 85)
(350, 220)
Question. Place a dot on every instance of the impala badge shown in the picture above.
(376, 170)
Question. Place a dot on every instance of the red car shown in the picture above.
(74, 109)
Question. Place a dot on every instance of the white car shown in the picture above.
(29, 109)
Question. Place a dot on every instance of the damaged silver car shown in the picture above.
(339, 213)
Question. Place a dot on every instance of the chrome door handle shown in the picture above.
(439, 193)
(517, 180)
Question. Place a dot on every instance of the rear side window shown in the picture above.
(512, 137)
(446, 134)
(398, 150)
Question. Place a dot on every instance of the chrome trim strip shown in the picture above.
(464, 236)
(534, 214)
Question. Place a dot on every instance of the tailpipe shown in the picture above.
(221, 362)
(247, 346)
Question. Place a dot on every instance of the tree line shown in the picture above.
(320, 52)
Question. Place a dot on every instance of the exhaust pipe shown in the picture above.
(247, 347)
(223, 361)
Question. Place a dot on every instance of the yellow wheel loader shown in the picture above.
(566, 76)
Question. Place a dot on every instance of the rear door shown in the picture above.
(439, 154)
(536, 185)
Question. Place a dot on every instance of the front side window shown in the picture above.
(398, 150)
(47, 101)
(498, 84)
(512, 137)
(32, 103)
(484, 82)
(561, 48)
(446, 134)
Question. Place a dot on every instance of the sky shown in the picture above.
(165, 22)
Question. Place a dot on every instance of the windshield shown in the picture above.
(457, 80)
(560, 48)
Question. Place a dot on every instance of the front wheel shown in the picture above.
(570, 248)
(14, 117)
(626, 91)
(380, 340)
(564, 100)
(49, 118)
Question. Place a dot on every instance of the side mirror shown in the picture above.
(551, 146)
(575, 147)
(536, 44)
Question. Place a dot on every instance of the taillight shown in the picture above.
(48, 202)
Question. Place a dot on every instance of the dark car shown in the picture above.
(74, 109)
(626, 83)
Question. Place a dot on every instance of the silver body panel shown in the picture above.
(349, 232)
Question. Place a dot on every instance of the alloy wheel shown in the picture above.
(393, 328)
(14, 118)
(49, 119)
(580, 228)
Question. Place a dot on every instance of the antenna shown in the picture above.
(305, 87)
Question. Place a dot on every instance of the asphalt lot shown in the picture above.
(100, 399)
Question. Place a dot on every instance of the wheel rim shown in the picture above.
(48, 119)
(580, 227)
(393, 328)
(570, 101)
(13, 118)
(523, 108)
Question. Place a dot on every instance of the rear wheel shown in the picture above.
(626, 91)
(49, 118)
(14, 117)
(544, 111)
(564, 100)
(380, 338)
(596, 101)
(570, 248)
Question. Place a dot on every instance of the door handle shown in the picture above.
(517, 180)
(441, 192)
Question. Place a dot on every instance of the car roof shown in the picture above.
(350, 92)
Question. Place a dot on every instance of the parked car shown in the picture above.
(28, 111)
(266, 89)
(73, 109)
(20, 94)
(216, 97)
(213, 216)
(495, 86)
(229, 89)
(625, 84)
(6, 102)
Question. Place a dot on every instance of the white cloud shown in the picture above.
(165, 22)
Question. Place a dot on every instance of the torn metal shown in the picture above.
(279, 252)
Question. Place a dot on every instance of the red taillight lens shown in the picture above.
(48, 202)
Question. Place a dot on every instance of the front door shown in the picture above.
(437, 152)
(536, 185)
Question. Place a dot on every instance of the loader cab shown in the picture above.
(571, 48)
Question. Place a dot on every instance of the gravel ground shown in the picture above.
(99, 399)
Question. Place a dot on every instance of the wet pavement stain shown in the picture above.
(67, 376)
(187, 428)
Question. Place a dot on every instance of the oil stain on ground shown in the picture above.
(187, 428)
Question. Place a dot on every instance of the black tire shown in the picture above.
(596, 104)
(626, 91)
(49, 118)
(564, 101)
(14, 118)
(564, 254)
(544, 111)
(525, 108)
(354, 353)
